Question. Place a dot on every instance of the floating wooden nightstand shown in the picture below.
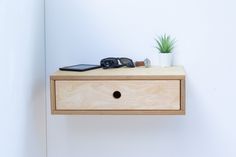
(155, 90)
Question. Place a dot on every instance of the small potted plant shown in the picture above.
(165, 45)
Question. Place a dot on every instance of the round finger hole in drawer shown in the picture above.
(116, 94)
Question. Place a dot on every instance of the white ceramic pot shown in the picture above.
(166, 59)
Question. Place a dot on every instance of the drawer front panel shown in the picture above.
(117, 95)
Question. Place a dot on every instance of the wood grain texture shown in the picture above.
(135, 95)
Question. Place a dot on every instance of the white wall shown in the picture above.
(84, 31)
(22, 79)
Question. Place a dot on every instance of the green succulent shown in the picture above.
(165, 44)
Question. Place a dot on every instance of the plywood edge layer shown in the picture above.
(156, 77)
(123, 112)
(53, 95)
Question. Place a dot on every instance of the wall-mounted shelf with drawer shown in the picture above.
(140, 90)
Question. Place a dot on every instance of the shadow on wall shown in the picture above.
(113, 132)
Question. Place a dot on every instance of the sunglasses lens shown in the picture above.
(114, 62)
(127, 62)
(109, 63)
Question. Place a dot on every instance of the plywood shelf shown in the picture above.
(140, 90)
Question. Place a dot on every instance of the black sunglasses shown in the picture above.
(112, 62)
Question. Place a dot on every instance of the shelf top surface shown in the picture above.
(125, 72)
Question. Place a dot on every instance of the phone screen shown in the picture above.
(80, 67)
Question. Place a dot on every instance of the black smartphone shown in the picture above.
(80, 67)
